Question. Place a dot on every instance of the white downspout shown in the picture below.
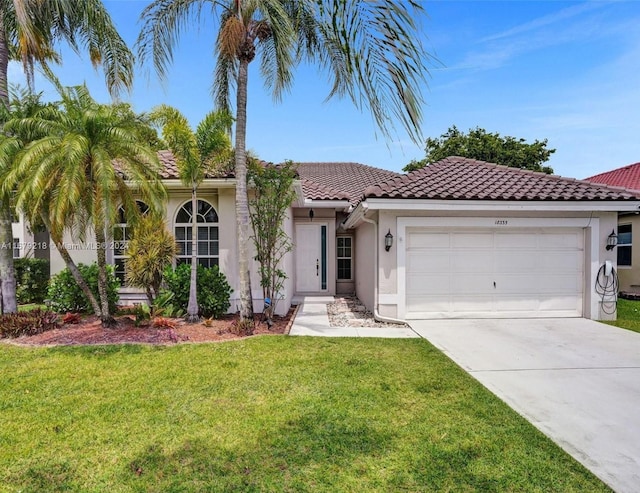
(377, 315)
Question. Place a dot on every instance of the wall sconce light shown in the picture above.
(612, 240)
(388, 241)
(311, 214)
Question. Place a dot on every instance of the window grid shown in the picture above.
(344, 257)
(208, 242)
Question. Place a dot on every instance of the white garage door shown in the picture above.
(462, 273)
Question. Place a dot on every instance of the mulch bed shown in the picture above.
(90, 331)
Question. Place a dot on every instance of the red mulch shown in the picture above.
(90, 331)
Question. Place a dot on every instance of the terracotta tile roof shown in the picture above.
(457, 178)
(339, 181)
(625, 177)
(169, 167)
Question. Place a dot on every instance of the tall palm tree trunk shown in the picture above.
(105, 314)
(192, 306)
(242, 203)
(8, 301)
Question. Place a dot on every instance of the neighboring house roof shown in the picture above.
(458, 178)
(625, 177)
(339, 181)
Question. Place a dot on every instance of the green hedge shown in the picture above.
(214, 291)
(66, 295)
(32, 279)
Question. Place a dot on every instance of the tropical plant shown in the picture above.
(32, 278)
(370, 50)
(29, 30)
(213, 290)
(484, 146)
(66, 296)
(89, 161)
(205, 150)
(272, 196)
(151, 249)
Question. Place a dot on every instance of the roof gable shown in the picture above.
(458, 178)
(339, 181)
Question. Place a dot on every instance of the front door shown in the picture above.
(311, 258)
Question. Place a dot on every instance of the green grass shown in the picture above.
(264, 414)
(628, 315)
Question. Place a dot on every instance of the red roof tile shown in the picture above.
(339, 181)
(457, 178)
(625, 177)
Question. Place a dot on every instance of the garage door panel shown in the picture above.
(424, 284)
(434, 261)
(554, 241)
(472, 304)
(471, 240)
(428, 240)
(472, 262)
(537, 273)
(510, 261)
(563, 261)
(515, 240)
(436, 303)
(559, 302)
(470, 284)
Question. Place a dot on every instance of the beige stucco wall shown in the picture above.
(365, 264)
(388, 276)
(630, 275)
(223, 201)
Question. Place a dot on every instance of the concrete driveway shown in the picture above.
(576, 380)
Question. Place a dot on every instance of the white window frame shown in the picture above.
(344, 257)
(211, 242)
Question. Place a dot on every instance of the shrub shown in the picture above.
(213, 289)
(151, 249)
(27, 323)
(32, 279)
(66, 295)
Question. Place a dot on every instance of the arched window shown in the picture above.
(121, 237)
(208, 242)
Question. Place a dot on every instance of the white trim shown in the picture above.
(590, 304)
(388, 298)
(500, 205)
(326, 204)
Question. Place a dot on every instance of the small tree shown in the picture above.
(491, 147)
(150, 252)
(273, 195)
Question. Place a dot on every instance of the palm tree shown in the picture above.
(28, 31)
(196, 153)
(369, 49)
(24, 104)
(90, 161)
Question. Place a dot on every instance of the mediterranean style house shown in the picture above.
(457, 239)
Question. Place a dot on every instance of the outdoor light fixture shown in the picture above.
(612, 240)
(311, 214)
(388, 241)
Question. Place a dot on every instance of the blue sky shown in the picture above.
(564, 71)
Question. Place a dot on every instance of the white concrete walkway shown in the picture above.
(312, 320)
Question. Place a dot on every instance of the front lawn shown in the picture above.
(628, 315)
(264, 414)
